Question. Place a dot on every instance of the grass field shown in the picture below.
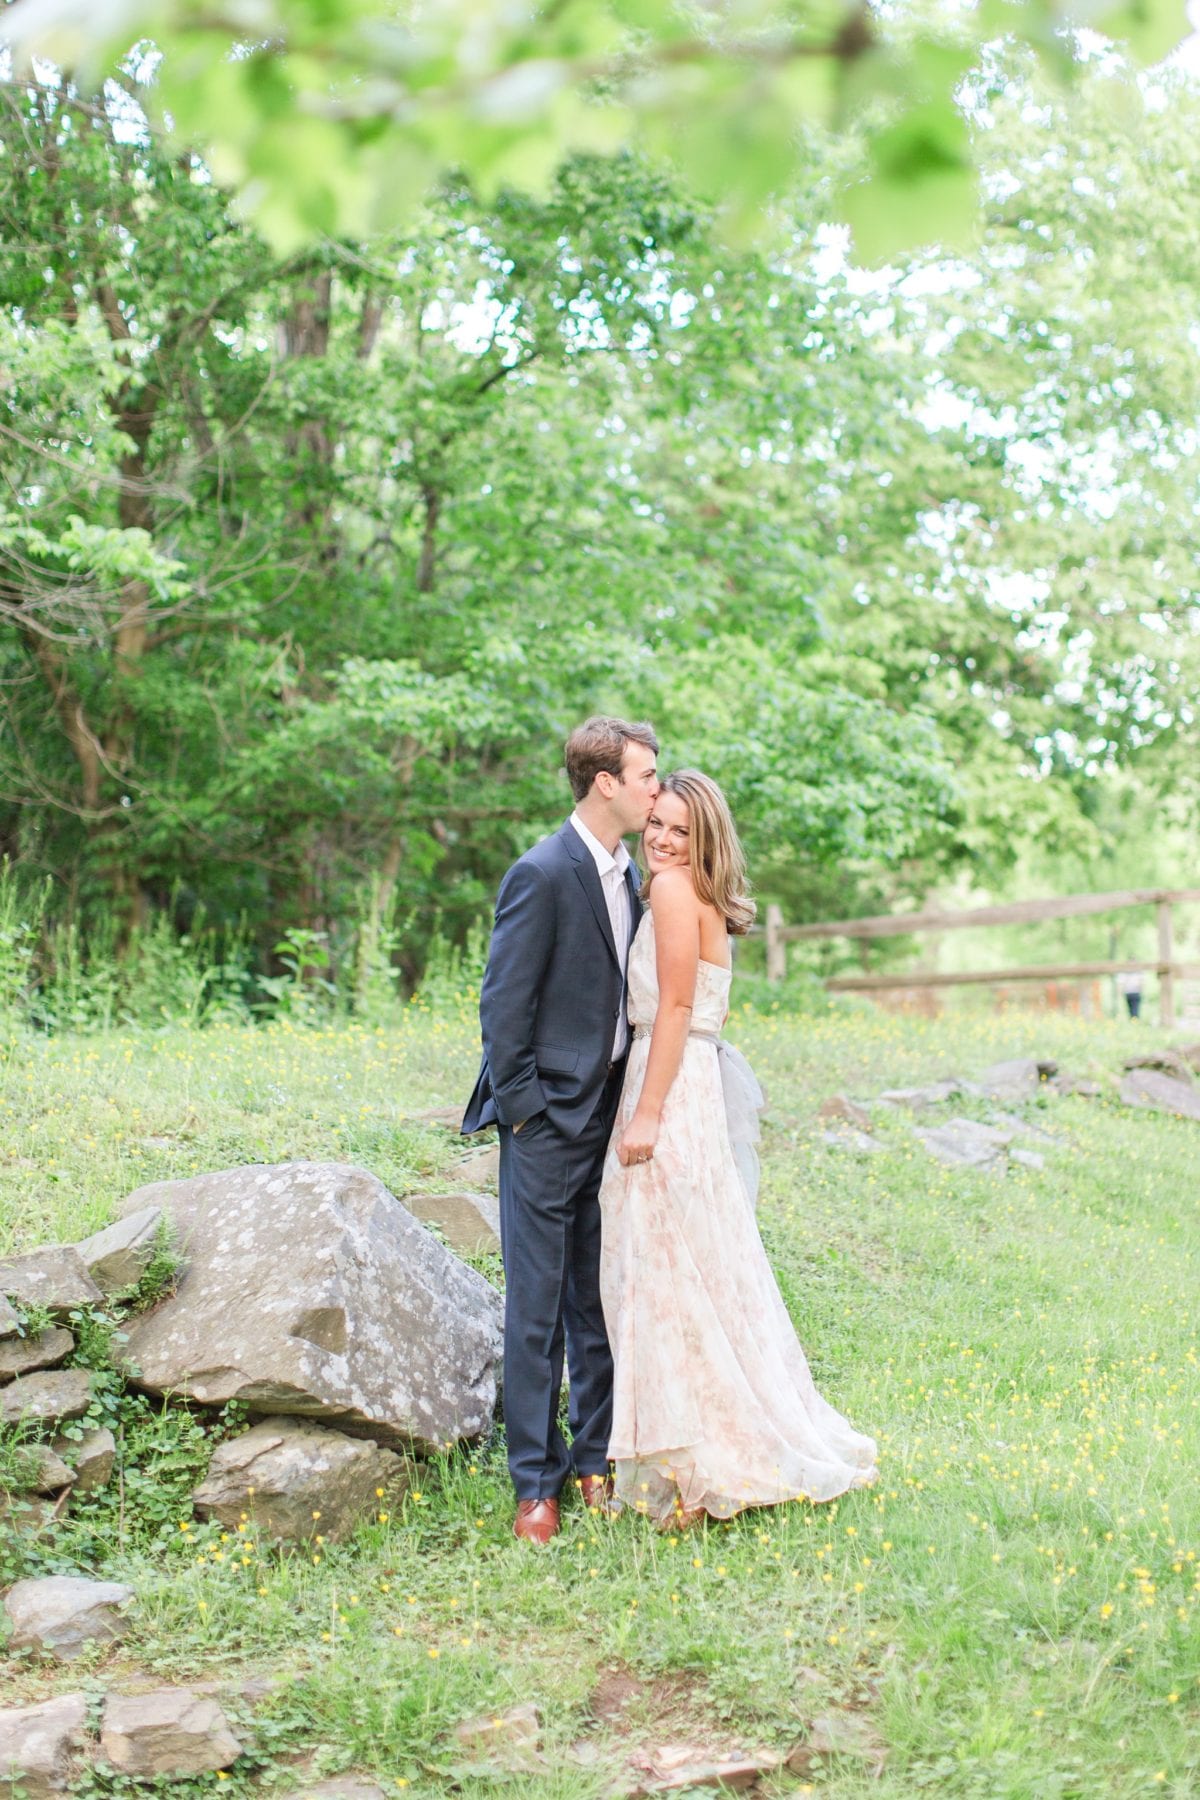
(1013, 1612)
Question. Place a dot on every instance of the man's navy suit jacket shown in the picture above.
(553, 990)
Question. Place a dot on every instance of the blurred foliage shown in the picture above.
(337, 116)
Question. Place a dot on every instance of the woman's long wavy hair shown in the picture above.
(717, 861)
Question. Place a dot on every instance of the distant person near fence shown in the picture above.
(1130, 984)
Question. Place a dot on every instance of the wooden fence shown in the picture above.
(1016, 912)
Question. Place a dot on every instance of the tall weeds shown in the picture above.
(58, 974)
(21, 914)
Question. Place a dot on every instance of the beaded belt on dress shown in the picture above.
(706, 1037)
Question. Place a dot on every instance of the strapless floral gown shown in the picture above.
(714, 1405)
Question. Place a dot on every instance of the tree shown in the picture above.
(308, 561)
(407, 509)
(1062, 635)
(340, 117)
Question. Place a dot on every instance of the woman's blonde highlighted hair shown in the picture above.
(717, 861)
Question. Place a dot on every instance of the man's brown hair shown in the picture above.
(599, 744)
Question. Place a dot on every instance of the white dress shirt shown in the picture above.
(611, 870)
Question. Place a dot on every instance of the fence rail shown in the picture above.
(1014, 912)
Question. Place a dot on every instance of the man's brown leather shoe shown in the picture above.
(598, 1494)
(536, 1520)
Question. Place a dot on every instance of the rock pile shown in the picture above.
(1161, 1080)
(170, 1734)
(311, 1294)
(1162, 1085)
(36, 1390)
(306, 1291)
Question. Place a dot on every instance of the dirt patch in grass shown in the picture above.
(656, 1726)
(613, 1695)
(659, 1707)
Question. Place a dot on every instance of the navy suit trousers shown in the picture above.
(550, 1239)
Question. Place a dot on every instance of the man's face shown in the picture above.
(636, 791)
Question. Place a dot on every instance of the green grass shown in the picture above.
(1013, 1608)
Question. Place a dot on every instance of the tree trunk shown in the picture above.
(69, 711)
(305, 334)
(427, 566)
(369, 322)
(135, 408)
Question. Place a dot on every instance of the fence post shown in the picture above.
(776, 948)
(1166, 971)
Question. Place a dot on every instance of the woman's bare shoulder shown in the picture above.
(672, 895)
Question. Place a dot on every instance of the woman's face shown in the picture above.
(666, 841)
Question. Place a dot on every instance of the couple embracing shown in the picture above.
(626, 1172)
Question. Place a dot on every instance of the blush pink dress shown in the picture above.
(714, 1405)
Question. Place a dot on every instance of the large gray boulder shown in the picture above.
(308, 1289)
(55, 1277)
(38, 1746)
(10, 1323)
(1161, 1093)
(59, 1615)
(117, 1257)
(292, 1479)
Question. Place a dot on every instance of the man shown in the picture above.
(555, 1038)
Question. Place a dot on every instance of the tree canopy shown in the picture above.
(310, 558)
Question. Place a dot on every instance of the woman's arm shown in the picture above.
(676, 913)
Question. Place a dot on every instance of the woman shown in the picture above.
(714, 1406)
